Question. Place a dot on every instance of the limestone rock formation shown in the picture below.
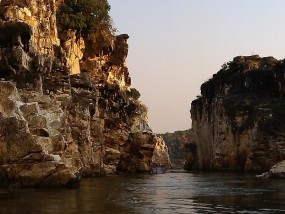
(160, 153)
(179, 144)
(238, 121)
(65, 112)
(277, 171)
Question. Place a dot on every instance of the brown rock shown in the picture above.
(66, 111)
(238, 120)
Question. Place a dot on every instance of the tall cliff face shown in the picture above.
(56, 127)
(238, 120)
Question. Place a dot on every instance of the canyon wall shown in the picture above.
(179, 145)
(65, 110)
(238, 121)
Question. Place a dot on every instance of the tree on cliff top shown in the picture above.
(134, 93)
(86, 16)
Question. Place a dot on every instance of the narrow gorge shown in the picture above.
(67, 108)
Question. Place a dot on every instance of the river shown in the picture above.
(167, 193)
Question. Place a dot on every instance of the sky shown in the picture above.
(176, 45)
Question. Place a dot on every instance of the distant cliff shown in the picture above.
(238, 121)
(66, 107)
(178, 147)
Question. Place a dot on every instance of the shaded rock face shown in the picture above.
(238, 120)
(179, 147)
(56, 127)
(144, 151)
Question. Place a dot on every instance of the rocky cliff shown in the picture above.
(178, 144)
(66, 107)
(238, 121)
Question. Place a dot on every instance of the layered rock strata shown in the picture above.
(56, 127)
(238, 121)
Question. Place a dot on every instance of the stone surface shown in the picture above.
(33, 20)
(73, 51)
(66, 111)
(238, 120)
(179, 144)
(25, 161)
(160, 155)
(277, 171)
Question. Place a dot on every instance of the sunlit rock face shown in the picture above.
(65, 110)
(27, 143)
(128, 142)
(33, 20)
(73, 50)
(238, 120)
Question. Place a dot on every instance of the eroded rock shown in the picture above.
(65, 107)
(238, 120)
(277, 171)
(180, 149)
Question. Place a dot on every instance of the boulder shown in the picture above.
(277, 171)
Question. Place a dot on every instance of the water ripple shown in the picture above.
(157, 194)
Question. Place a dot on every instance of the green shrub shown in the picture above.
(135, 93)
(85, 16)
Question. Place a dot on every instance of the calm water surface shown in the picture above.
(150, 194)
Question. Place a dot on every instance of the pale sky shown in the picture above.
(176, 45)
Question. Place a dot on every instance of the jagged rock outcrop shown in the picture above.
(277, 171)
(160, 155)
(56, 127)
(34, 21)
(179, 144)
(26, 158)
(238, 121)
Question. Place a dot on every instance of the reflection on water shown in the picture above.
(163, 193)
